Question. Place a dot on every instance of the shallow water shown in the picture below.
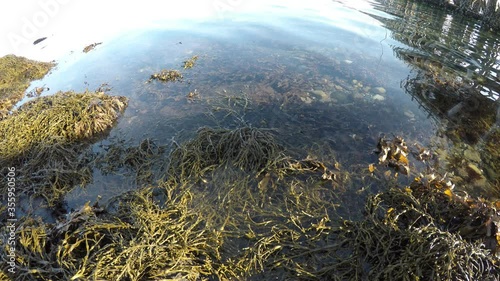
(328, 73)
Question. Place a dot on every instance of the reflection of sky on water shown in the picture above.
(70, 25)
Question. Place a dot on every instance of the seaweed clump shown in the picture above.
(246, 148)
(16, 73)
(91, 47)
(166, 76)
(136, 239)
(62, 118)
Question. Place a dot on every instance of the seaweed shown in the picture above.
(16, 73)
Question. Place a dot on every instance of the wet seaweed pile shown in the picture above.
(234, 204)
(469, 117)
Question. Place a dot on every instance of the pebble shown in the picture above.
(324, 97)
(409, 114)
(348, 61)
(378, 97)
(380, 90)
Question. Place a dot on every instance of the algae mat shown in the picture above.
(16, 73)
(215, 216)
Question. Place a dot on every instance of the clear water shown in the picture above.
(326, 73)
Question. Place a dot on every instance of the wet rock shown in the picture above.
(472, 155)
(474, 171)
(378, 97)
(323, 97)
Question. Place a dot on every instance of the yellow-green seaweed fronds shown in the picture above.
(62, 118)
(166, 76)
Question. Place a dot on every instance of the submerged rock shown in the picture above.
(380, 90)
(472, 155)
(323, 97)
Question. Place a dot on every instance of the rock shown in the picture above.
(378, 97)
(306, 100)
(380, 90)
(409, 114)
(475, 170)
(472, 155)
(323, 97)
(348, 61)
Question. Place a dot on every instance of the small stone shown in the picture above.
(378, 97)
(306, 100)
(409, 114)
(380, 90)
(357, 96)
(348, 61)
(472, 155)
(324, 97)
